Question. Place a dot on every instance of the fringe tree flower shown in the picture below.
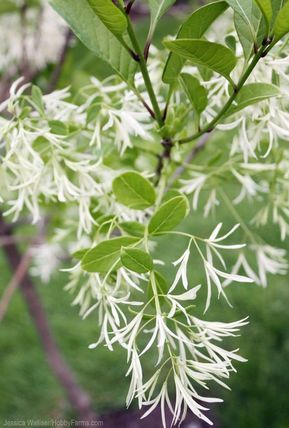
(106, 172)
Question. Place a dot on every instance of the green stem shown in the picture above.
(143, 67)
(211, 125)
(155, 293)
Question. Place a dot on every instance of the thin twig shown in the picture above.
(14, 283)
(201, 144)
(129, 6)
(10, 240)
(165, 155)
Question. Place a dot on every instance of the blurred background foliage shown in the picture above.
(260, 390)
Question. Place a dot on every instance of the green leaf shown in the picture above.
(252, 94)
(231, 42)
(95, 36)
(105, 223)
(244, 8)
(133, 228)
(157, 8)
(170, 194)
(79, 254)
(169, 215)
(266, 9)
(106, 254)
(196, 93)
(281, 27)
(134, 191)
(57, 127)
(247, 20)
(276, 7)
(207, 54)
(245, 37)
(136, 260)
(111, 16)
(193, 28)
(36, 97)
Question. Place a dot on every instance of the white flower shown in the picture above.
(46, 259)
(213, 275)
(119, 119)
(206, 362)
(211, 203)
(214, 240)
(242, 263)
(182, 270)
(270, 260)
(249, 189)
(194, 185)
(127, 335)
(177, 301)
(135, 370)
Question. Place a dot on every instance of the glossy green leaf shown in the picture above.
(134, 191)
(111, 16)
(169, 215)
(157, 8)
(281, 27)
(253, 93)
(133, 228)
(214, 56)
(196, 93)
(95, 36)
(193, 28)
(136, 260)
(266, 9)
(106, 254)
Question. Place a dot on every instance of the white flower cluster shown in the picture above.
(39, 163)
(53, 151)
(39, 36)
(188, 351)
